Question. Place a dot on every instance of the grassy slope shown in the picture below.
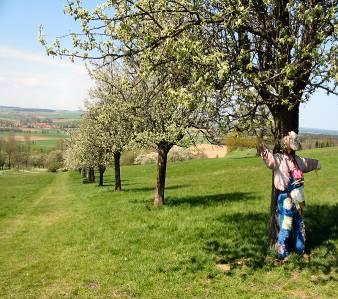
(62, 238)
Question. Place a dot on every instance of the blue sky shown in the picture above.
(29, 78)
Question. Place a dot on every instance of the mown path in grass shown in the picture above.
(30, 248)
(38, 211)
(60, 238)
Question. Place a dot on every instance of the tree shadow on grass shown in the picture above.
(209, 200)
(109, 183)
(149, 189)
(321, 224)
(321, 235)
(243, 241)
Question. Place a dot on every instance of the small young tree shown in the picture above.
(10, 148)
(3, 158)
(3, 155)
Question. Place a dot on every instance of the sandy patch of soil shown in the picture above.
(32, 137)
(209, 150)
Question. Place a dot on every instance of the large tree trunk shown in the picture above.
(117, 158)
(102, 169)
(83, 172)
(285, 121)
(163, 150)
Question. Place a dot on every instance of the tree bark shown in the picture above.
(163, 150)
(83, 172)
(117, 158)
(92, 174)
(285, 121)
(102, 169)
(88, 174)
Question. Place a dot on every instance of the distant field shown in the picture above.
(34, 132)
(45, 140)
(45, 144)
(23, 113)
(61, 120)
(14, 117)
(60, 238)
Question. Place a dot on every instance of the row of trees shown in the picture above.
(223, 60)
(318, 141)
(131, 111)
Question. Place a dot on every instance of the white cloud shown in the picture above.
(29, 81)
(36, 80)
(41, 58)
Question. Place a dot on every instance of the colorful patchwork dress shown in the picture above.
(288, 179)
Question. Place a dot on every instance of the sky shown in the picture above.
(29, 78)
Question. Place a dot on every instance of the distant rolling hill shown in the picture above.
(318, 131)
(20, 109)
(77, 114)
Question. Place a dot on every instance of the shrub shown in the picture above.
(146, 158)
(180, 154)
(52, 168)
(54, 160)
(234, 141)
(175, 154)
(128, 157)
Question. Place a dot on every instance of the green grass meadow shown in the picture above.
(46, 145)
(61, 238)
